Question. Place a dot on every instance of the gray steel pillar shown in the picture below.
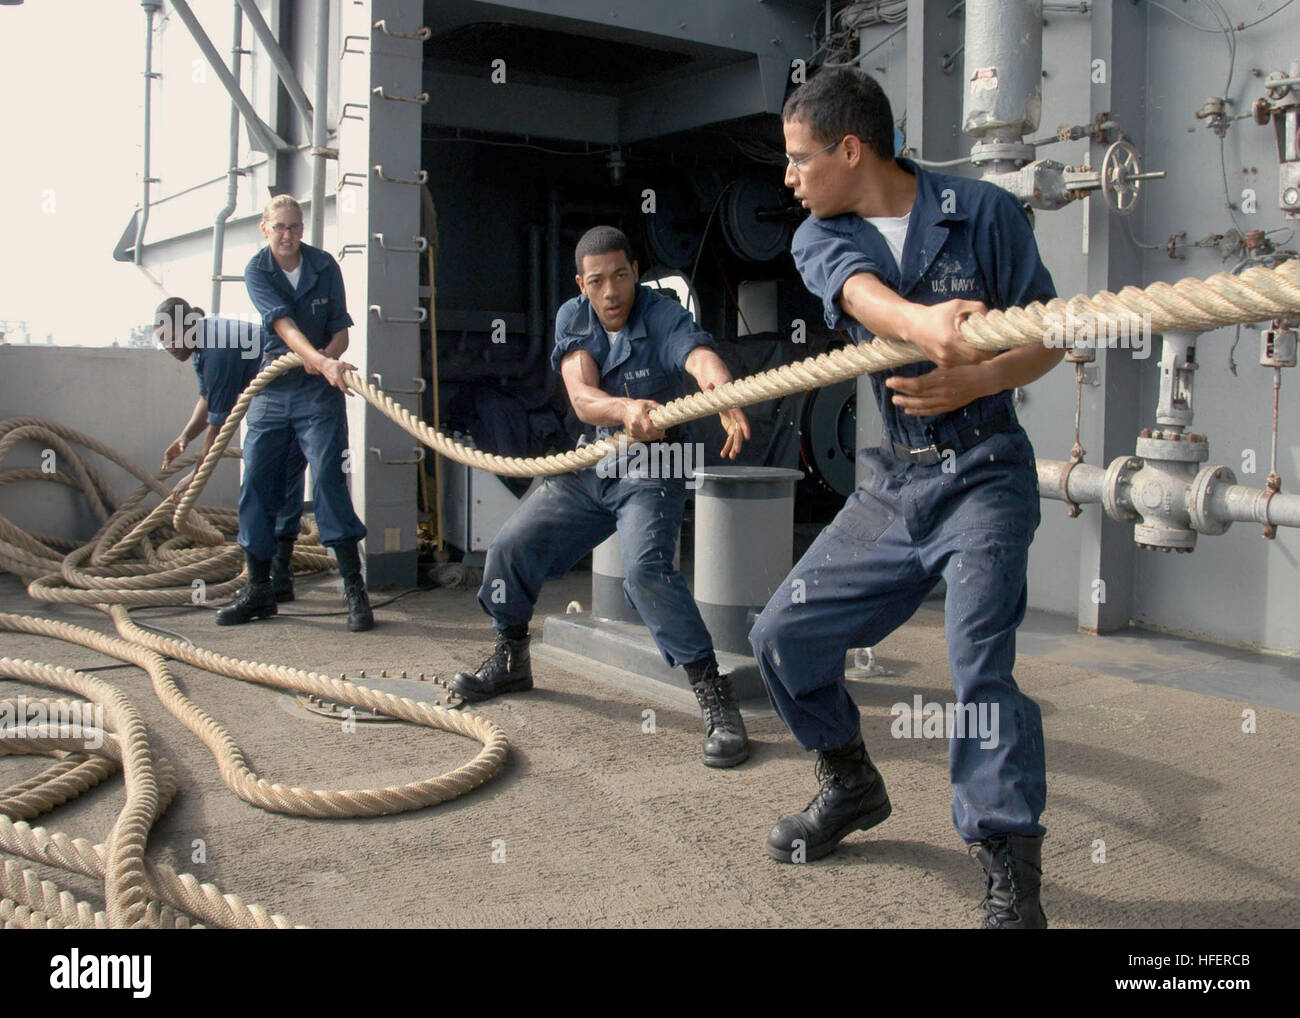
(378, 215)
(150, 9)
(1111, 409)
(320, 123)
(744, 546)
(933, 34)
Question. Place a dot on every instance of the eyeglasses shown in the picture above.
(794, 164)
(283, 227)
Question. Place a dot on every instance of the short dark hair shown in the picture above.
(601, 240)
(169, 305)
(839, 101)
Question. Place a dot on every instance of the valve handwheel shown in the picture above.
(1121, 178)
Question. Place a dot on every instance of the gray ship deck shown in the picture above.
(606, 826)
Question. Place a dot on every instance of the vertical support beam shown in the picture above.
(387, 134)
(934, 96)
(232, 171)
(320, 123)
(1111, 410)
(150, 9)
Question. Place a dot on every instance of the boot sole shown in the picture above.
(474, 696)
(864, 823)
(261, 613)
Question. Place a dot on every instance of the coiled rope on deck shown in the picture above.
(138, 892)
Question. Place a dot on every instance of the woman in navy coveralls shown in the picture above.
(298, 290)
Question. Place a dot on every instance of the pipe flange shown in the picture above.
(1202, 489)
(1115, 494)
(1174, 447)
(995, 151)
(1165, 547)
(1153, 536)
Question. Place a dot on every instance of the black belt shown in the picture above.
(968, 438)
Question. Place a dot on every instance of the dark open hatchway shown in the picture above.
(512, 203)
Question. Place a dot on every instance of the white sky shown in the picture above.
(71, 131)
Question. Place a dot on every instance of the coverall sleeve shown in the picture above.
(568, 339)
(269, 301)
(676, 335)
(826, 260)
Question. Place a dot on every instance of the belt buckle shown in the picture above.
(932, 447)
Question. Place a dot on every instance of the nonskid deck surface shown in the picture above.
(597, 820)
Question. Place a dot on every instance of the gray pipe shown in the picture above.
(281, 62)
(232, 174)
(1234, 503)
(318, 135)
(1004, 41)
(1085, 481)
(1250, 505)
(150, 8)
(1004, 68)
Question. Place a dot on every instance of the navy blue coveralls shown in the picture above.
(228, 357)
(568, 515)
(968, 518)
(297, 409)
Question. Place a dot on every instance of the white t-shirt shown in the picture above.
(293, 276)
(894, 230)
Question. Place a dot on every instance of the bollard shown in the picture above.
(744, 546)
(607, 598)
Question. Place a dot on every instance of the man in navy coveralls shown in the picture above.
(227, 355)
(895, 251)
(621, 349)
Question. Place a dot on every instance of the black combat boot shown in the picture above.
(282, 571)
(255, 601)
(725, 741)
(360, 617)
(508, 669)
(852, 798)
(1013, 864)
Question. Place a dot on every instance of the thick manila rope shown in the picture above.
(60, 570)
(125, 873)
(1258, 294)
(136, 891)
